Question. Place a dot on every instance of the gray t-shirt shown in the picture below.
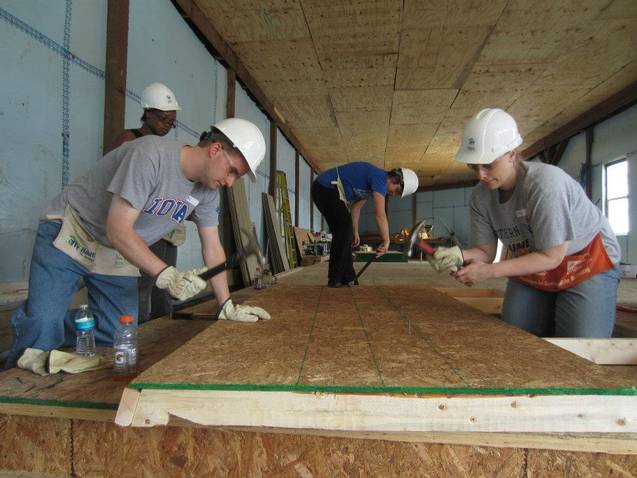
(146, 172)
(547, 208)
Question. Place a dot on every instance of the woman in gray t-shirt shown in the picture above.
(559, 251)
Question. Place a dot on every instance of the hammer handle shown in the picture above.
(228, 264)
(426, 247)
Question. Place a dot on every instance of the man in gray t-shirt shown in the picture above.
(99, 228)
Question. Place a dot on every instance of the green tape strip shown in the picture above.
(631, 391)
(58, 403)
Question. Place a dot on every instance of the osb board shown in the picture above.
(24, 392)
(42, 446)
(366, 54)
(393, 339)
(35, 444)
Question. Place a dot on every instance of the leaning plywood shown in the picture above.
(242, 227)
(601, 351)
(348, 359)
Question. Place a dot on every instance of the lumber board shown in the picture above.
(385, 413)
(621, 351)
(380, 345)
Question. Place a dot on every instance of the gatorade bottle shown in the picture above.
(125, 347)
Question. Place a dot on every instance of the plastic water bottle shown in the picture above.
(85, 330)
(125, 347)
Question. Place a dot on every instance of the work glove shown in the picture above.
(74, 363)
(446, 259)
(46, 363)
(241, 313)
(34, 360)
(181, 285)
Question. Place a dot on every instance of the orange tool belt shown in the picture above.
(576, 268)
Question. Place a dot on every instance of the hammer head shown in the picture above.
(415, 239)
(251, 247)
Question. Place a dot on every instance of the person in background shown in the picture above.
(340, 193)
(562, 255)
(99, 228)
(160, 113)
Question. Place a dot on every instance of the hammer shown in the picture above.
(416, 240)
(250, 248)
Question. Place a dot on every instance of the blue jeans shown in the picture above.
(584, 310)
(44, 321)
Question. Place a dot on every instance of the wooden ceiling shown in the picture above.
(393, 82)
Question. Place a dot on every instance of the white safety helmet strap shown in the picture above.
(487, 136)
(243, 136)
(158, 96)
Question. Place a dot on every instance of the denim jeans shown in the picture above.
(584, 310)
(44, 321)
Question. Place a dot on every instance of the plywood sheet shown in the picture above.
(299, 346)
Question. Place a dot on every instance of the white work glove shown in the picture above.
(35, 361)
(241, 313)
(74, 363)
(446, 259)
(46, 363)
(181, 285)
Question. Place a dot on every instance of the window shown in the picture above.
(617, 196)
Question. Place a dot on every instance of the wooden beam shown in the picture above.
(618, 102)
(115, 74)
(231, 93)
(272, 185)
(296, 188)
(198, 21)
(389, 413)
(600, 351)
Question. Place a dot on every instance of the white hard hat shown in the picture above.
(487, 136)
(247, 138)
(410, 182)
(158, 96)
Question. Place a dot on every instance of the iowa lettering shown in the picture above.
(177, 210)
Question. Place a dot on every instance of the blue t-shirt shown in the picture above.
(359, 180)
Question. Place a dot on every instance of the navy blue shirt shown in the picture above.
(359, 180)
